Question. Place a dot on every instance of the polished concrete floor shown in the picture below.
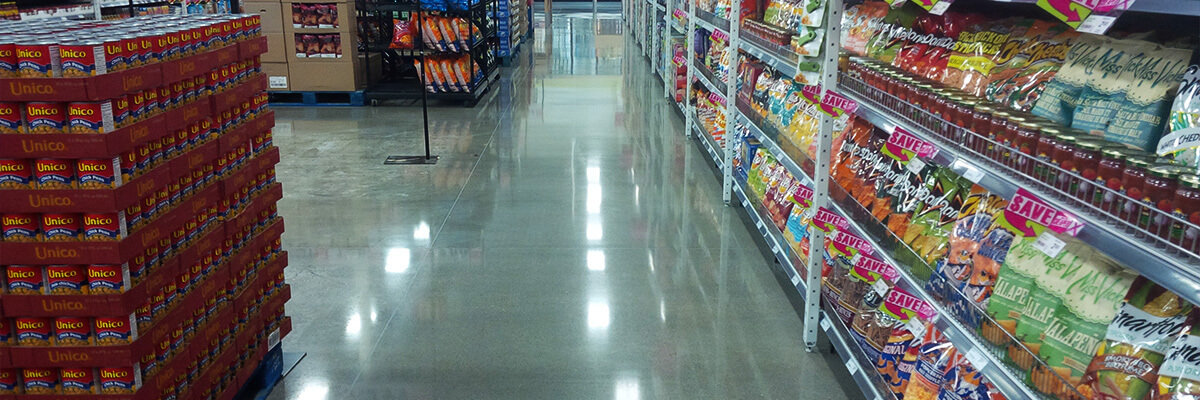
(570, 244)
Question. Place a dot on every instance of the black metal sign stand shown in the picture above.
(427, 158)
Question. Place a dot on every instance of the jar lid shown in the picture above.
(1140, 162)
(1089, 145)
(1030, 125)
(983, 107)
(1189, 180)
(1051, 132)
(1110, 152)
(1164, 171)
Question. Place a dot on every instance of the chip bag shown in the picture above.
(933, 357)
(1136, 344)
(402, 35)
(1179, 376)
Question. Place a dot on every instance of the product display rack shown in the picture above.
(1150, 255)
(400, 79)
(168, 282)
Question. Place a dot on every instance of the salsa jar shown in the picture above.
(1085, 162)
(1187, 207)
(981, 125)
(1108, 175)
(1061, 159)
(1024, 141)
(1042, 151)
(1158, 193)
(1133, 179)
(1004, 126)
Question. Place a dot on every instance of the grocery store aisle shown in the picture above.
(571, 244)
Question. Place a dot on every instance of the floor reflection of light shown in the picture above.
(595, 230)
(374, 315)
(397, 260)
(650, 258)
(662, 310)
(628, 389)
(595, 260)
(637, 195)
(598, 316)
(354, 326)
(422, 232)
(594, 197)
(314, 391)
(593, 174)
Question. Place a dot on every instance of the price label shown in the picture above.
(939, 8)
(825, 323)
(795, 279)
(1049, 244)
(857, 257)
(852, 366)
(915, 165)
(880, 287)
(977, 358)
(1096, 24)
(916, 327)
(973, 174)
(273, 339)
(808, 214)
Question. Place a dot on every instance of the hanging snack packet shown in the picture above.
(929, 232)
(1071, 339)
(402, 35)
(1139, 122)
(1105, 89)
(957, 279)
(1019, 82)
(1061, 95)
(934, 354)
(796, 229)
(1136, 343)
(448, 31)
(903, 314)
(1183, 123)
(1045, 297)
(860, 23)
(963, 381)
(891, 33)
(855, 271)
(1179, 376)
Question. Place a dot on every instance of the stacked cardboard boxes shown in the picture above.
(312, 44)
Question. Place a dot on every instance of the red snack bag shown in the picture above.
(402, 35)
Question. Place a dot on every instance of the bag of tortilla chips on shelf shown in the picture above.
(1179, 375)
(1137, 343)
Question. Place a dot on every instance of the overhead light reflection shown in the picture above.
(628, 389)
(662, 310)
(594, 197)
(397, 260)
(650, 258)
(595, 260)
(314, 391)
(593, 174)
(595, 230)
(598, 316)
(422, 231)
(354, 326)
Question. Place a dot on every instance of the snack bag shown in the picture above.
(430, 34)
(901, 312)
(1070, 341)
(796, 228)
(1019, 81)
(854, 271)
(1179, 376)
(1138, 123)
(461, 70)
(859, 25)
(973, 56)
(1184, 121)
(889, 37)
(447, 31)
(933, 357)
(402, 35)
(1105, 90)
(1061, 95)
(958, 269)
(451, 78)
(929, 233)
(1136, 343)
(962, 381)
(1044, 299)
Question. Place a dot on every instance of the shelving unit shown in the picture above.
(1162, 262)
(401, 79)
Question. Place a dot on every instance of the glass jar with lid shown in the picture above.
(1086, 160)
(1062, 159)
(1042, 152)
(1001, 122)
(1158, 196)
(1133, 180)
(1108, 177)
(981, 124)
(1187, 208)
(1024, 141)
